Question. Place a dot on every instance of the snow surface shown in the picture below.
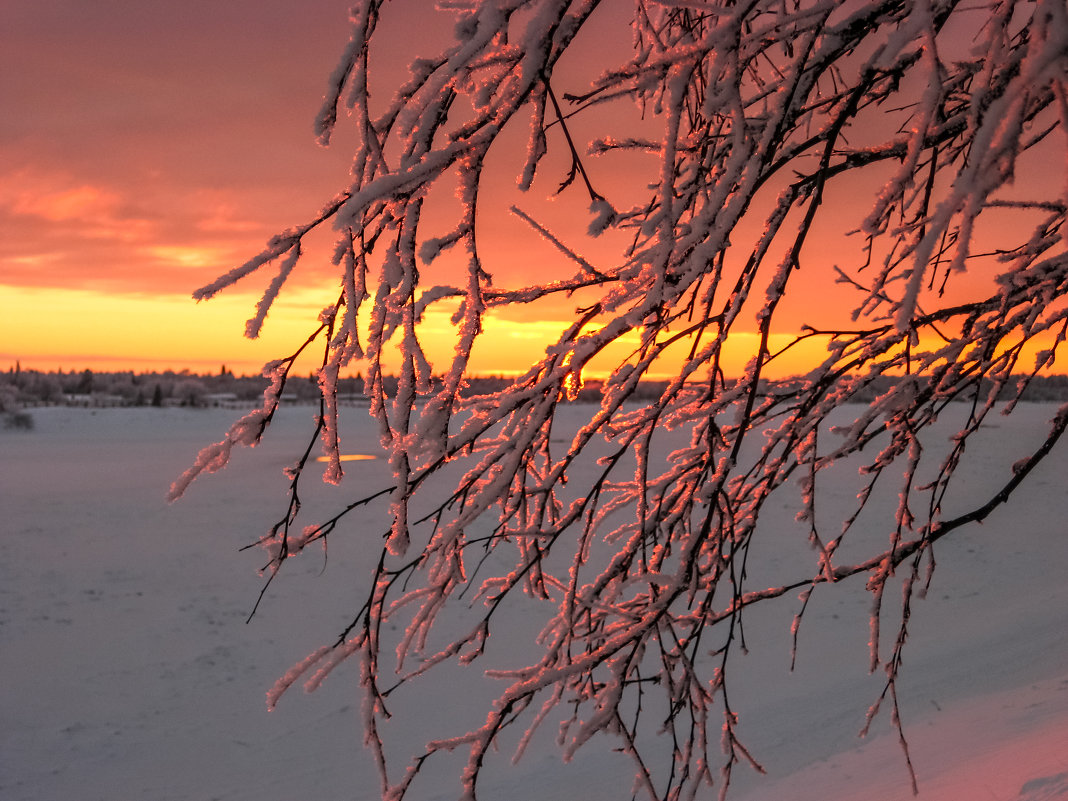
(129, 672)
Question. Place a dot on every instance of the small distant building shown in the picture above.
(353, 399)
(224, 399)
(96, 400)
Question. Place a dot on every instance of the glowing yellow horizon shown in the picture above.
(75, 329)
(72, 329)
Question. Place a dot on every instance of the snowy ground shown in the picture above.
(129, 672)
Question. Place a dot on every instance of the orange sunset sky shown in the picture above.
(147, 147)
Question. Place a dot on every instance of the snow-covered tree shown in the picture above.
(753, 133)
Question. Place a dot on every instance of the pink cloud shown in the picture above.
(57, 230)
(92, 211)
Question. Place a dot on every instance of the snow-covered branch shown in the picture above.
(627, 534)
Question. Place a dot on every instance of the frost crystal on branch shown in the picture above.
(768, 128)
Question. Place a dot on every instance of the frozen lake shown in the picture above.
(129, 671)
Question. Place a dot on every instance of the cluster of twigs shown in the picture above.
(765, 108)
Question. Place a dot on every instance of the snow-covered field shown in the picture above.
(129, 672)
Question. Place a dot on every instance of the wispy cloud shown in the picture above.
(90, 211)
(59, 230)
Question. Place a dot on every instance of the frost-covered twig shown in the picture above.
(630, 538)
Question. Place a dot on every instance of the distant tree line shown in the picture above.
(21, 388)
